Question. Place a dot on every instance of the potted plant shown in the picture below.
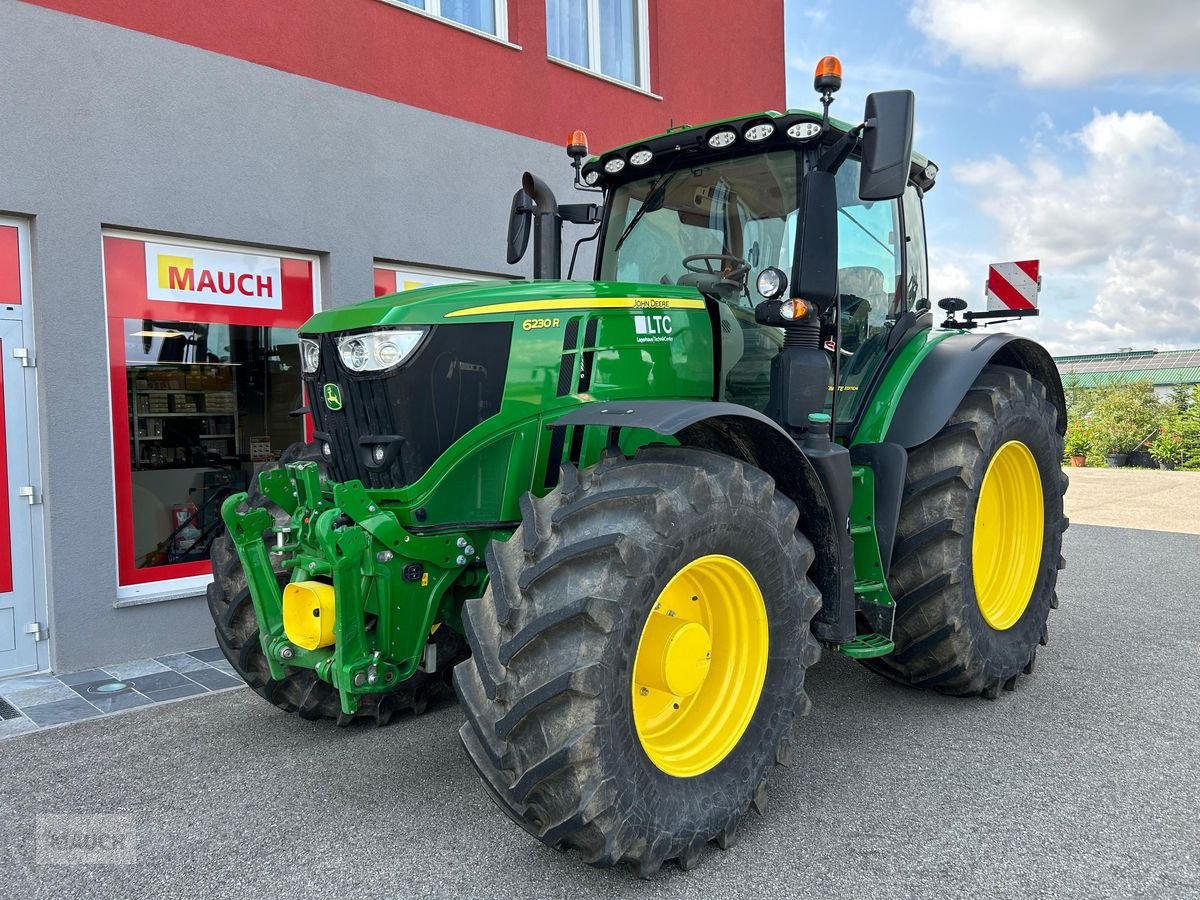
(1115, 443)
(1165, 449)
(1078, 443)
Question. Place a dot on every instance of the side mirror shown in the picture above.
(519, 218)
(887, 145)
(816, 262)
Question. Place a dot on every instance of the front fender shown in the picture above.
(746, 434)
(947, 371)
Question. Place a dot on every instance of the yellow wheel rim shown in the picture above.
(1006, 550)
(700, 666)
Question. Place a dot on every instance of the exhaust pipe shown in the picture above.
(547, 228)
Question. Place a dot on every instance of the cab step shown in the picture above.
(866, 646)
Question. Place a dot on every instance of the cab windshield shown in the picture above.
(737, 212)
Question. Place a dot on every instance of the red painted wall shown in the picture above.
(708, 59)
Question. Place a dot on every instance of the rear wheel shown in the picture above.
(979, 543)
(639, 656)
(301, 691)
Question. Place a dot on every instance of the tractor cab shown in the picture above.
(769, 215)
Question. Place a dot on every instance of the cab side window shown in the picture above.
(870, 269)
(916, 288)
(869, 260)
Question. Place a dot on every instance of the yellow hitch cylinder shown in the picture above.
(308, 614)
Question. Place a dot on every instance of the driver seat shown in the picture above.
(861, 292)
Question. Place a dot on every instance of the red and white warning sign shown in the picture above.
(1013, 285)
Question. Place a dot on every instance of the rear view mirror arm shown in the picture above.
(831, 160)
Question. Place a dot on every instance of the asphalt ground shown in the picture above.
(1084, 782)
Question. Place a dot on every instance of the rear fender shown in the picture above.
(946, 373)
(746, 434)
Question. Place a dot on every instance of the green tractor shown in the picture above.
(623, 517)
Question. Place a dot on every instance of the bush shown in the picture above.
(1078, 440)
(1130, 417)
(1167, 445)
(1123, 417)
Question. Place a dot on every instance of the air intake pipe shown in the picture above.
(547, 228)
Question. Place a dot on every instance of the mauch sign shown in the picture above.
(200, 275)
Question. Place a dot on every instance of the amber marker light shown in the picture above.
(794, 309)
(577, 145)
(828, 77)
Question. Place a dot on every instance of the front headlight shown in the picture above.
(375, 351)
(310, 355)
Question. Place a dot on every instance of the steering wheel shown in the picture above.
(739, 267)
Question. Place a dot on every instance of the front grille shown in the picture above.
(453, 381)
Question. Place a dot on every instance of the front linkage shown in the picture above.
(390, 588)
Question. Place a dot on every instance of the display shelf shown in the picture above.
(183, 415)
(227, 394)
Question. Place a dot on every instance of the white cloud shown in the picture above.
(1120, 238)
(1054, 43)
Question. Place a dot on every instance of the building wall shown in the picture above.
(709, 59)
(349, 129)
(107, 127)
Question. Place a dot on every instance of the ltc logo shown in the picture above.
(653, 328)
(333, 396)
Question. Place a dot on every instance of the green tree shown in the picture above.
(1185, 425)
(1181, 397)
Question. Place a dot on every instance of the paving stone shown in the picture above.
(158, 681)
(22, 693)
(130, 670)
(85, 690)
(85, 677)
(227, 669)
(191, 689)
(214, 680)
(116, 702)
(182, 662)
(208, 654)
(61, 711)
(13, 727)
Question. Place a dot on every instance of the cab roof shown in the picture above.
(695, 139)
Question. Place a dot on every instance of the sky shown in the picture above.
(1064, 130)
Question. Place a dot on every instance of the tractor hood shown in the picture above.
(494, 301)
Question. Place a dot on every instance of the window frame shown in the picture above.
(383, 269)
(433, 10)
(135, 586)
(594, 50)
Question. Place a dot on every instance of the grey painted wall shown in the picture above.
(100, 126)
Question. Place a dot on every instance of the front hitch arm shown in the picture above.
(246, 531)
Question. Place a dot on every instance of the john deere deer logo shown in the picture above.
(333, 396)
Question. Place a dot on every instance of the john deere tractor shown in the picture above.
(624, 517)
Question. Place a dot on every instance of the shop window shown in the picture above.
(488, 16)
(609, 37)
(205, 375)
(392, 278)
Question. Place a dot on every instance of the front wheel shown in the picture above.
(979, 542)
(639, 656)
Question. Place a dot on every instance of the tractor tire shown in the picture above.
(567, 743)
(301, 692)
(965, 624)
